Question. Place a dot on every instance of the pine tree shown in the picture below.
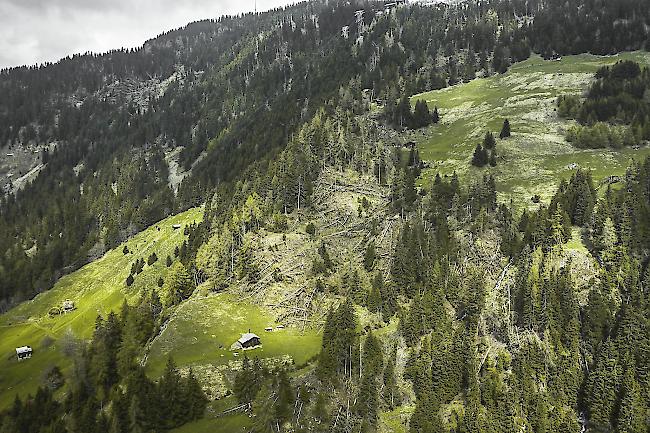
(421, 115)
(480, 157)
(195, 397)
(488, 141)
(505, 129)
(435, 117)
(178, 285)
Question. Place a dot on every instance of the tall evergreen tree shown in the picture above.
(505, 129)
(488, 141)
(480, 156)
(435, 117)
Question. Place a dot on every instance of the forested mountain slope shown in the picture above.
(390, 293)
(230, 92)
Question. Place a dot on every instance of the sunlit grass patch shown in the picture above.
(204, 330)
(96, 288)
(537, 156)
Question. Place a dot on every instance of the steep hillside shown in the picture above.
(221, 98)
(537, 154)
(96, 289)
(274, 174)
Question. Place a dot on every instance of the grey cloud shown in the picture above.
(36, 31)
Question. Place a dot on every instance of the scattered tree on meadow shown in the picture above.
(435, 117)
(505, 129)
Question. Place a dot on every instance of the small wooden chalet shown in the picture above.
(23, 352)
(247, 341)
(67, 306)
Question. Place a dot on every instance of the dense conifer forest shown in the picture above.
(259, 109)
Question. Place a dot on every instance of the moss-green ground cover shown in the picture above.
(537, 156)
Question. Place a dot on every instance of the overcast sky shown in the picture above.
(36, 31)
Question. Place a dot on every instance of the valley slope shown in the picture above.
(537, 155)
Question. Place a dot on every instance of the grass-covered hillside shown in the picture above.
(537, 155)
(203, 329)
(97, 288)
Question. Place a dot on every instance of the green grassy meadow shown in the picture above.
(536, 156)
(203, 330)
(96, 288)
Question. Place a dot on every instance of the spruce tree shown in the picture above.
(421, 115)
(319, 411)
(340, 346)
(488, 141)
(373, 302)
(195, 397)
(170, 396)
(285, 397)
(178, 284)
(505, 129)
(480, 156)
(153, 258)
(602, 387)
(372, 357)
(137, 417)
(435, 117)
(368, 399)
(390, 391)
